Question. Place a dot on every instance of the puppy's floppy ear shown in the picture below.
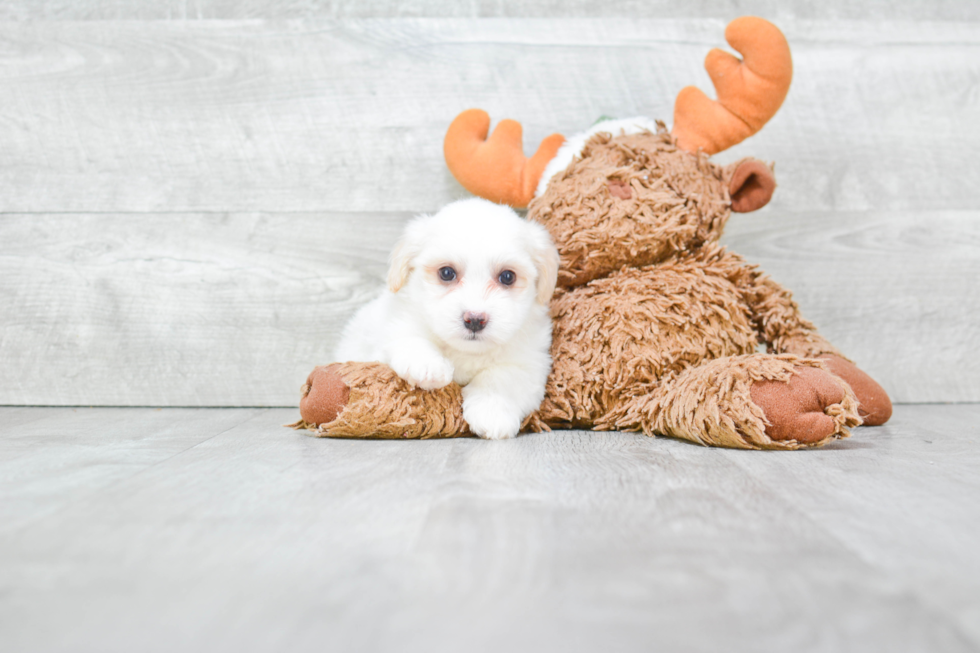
(545, 257)
(400, 265)
(402, 259)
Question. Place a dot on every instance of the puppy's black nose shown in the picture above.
(475, 321)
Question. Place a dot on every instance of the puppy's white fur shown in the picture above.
(417, 326)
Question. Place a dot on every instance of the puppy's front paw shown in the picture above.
(491, 418)
(429, 373)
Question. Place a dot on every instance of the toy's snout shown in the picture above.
(619, 189)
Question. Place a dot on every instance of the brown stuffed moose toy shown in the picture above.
(657, 328)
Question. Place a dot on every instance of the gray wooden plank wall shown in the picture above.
(190, 210)
(955, 10)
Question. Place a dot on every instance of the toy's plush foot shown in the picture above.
(323, 396)
(368, 400)
(874, 405)
(806, 407)
(757, 401)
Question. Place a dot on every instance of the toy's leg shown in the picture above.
(757, 401)
(782, 327)
(368, 400)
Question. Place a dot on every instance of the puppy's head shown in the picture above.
(473, 272)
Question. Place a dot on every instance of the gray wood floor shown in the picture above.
(133, 529)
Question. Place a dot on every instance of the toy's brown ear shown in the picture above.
(751, 186)
(495, 168)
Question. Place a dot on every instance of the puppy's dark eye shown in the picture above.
(507, 277)
(447, 273)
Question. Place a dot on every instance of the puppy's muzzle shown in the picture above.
(475, 322)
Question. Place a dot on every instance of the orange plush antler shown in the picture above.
(750, 91)
(495, 168)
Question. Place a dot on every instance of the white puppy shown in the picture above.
(467, 301)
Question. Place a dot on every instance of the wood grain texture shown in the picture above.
(108, 116)
(190, 211)
(173, 309)
(238, 9)
(53, 457)
(232, 533)
(918, 497)
(236, 309)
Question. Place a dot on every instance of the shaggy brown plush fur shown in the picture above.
(656, 325)
(383, 406)
(714, 404)
(677, 201)
(379, 405)
(637, 329)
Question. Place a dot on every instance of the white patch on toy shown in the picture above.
(573, 146)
